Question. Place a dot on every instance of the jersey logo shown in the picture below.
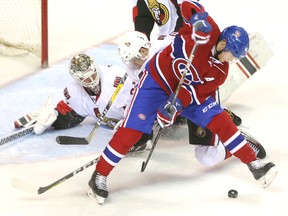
(141, 116)
(66, 94)
(159, 12)
(117, 81)
(192, 76)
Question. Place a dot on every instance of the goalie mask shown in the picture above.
(84, 71)
(129, 48)
(237, 40)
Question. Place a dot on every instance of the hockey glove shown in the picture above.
(201, 28)
(110, 122)
(167, 112)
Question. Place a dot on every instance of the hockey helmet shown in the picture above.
(237, 40)
(130, 46)
(85, 72)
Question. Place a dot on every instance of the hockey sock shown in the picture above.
(231, 137)
(119, 145)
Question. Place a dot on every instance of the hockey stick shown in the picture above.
(16, 135)
(66, 140)
(27, 187)
(144, 163)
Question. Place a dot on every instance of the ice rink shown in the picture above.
(174, 183)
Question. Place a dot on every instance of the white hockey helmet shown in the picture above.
(85, 72)
(130, 46)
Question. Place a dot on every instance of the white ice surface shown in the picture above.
(174, 183)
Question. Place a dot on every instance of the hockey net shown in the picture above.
(24, 28)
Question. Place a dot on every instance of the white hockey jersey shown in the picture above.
(156, 46)
(86, 105)
(165, 13)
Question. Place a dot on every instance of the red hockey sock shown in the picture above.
(224, 127)
(119, 145)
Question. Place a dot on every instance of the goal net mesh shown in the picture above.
(20, 29)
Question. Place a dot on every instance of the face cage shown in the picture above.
(130, 63)
(93, 84)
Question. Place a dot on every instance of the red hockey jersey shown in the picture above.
(204, 75)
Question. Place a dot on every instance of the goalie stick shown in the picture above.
(69, 140)
(16, 135)
(144, 163)
(27, 187)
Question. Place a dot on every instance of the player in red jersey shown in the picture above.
(156, 90)
(164, 17)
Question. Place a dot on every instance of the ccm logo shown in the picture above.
(205, 109)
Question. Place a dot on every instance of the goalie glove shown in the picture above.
(201, 28)
(167, 112)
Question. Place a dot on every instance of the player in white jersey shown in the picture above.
(86, 96)
(135, 50)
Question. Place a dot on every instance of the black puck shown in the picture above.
(232, 193)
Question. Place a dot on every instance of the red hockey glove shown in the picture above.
(167, 112)
(201, 28)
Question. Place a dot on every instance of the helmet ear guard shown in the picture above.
(85, 72)
(237, 40)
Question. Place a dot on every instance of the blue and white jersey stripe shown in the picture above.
(111, 156)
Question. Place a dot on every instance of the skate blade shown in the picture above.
(91, 194)
(269, 177)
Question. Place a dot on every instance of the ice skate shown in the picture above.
(236, 119)
(97, 188)
(138, 148)
(255, 145)
(265, 173)
(143, 144)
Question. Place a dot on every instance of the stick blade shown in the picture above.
(143, 166)
(69, 140)
(24, 186)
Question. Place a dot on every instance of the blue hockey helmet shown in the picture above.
(237, 40)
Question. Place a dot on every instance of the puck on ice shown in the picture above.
(232, 193)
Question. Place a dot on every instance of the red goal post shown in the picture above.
(24, 28)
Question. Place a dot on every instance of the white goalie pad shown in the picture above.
(257, 57)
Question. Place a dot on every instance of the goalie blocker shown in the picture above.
(258, 56)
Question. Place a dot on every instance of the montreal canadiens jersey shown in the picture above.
(86, 105)
(204, 75)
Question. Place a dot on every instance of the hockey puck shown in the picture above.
(232, 193)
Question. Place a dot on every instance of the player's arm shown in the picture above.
(142, 18)
(179, 22)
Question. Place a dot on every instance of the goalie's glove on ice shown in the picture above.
(167, 112)
(201, 28)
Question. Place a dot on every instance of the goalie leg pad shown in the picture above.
(46, 116)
